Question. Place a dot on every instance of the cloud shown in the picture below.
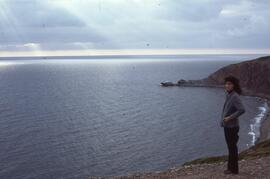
(27, 21)
(127, 24)
(36, 14)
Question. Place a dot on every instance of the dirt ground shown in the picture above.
(249, 169)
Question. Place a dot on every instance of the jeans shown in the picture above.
(231, 136)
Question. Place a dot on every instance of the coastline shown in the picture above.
(265, 123)
(265, 126)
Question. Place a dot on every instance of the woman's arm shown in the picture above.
(240, 109)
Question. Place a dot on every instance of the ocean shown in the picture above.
(75, 118)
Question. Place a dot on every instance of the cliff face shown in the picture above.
(254, 75)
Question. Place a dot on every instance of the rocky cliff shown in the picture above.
(254, 75)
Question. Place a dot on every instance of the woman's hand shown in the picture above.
(226, 119)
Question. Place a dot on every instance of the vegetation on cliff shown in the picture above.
(259, 150)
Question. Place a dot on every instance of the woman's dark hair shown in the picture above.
(235, 82)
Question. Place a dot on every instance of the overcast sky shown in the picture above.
(133, 24)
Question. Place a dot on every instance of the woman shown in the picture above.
(232, 109)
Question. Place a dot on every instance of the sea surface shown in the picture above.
(100, 117)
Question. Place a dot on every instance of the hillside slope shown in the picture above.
(261, 149)
(254, 75)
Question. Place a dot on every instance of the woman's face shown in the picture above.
(228, 86)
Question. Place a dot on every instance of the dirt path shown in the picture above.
(253, 168)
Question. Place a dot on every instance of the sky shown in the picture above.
(49, 27)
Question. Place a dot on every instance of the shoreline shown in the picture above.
(265, 125)
(265, 122)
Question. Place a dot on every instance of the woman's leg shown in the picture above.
(234, 150)
(231, 136)
(227, 137)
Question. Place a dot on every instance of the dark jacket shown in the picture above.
(232, 108)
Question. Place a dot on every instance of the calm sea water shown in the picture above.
(79, 118)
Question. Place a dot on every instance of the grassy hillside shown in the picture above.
(261, 149)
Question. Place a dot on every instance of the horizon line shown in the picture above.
(132, 52)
